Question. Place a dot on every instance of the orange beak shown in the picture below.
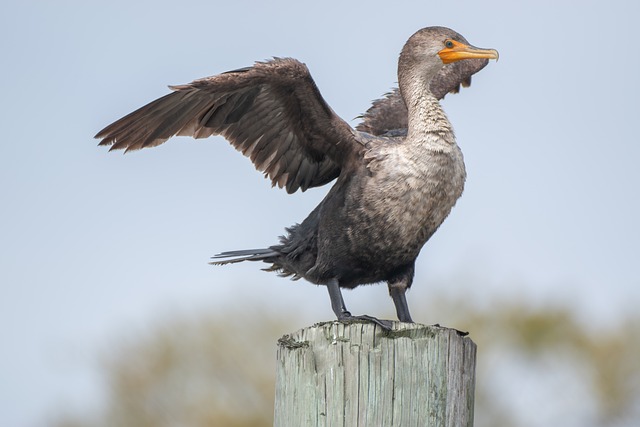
(460, 51)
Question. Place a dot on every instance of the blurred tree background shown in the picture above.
(537, 366)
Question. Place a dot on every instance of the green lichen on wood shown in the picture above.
(290, 343)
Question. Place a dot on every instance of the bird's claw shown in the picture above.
(347, 317)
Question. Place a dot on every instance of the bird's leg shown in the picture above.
(337, 302)
(400, 301)
(398, 286)
(341, 312)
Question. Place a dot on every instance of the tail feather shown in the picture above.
(244, 255)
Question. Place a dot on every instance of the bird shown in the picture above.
(397, 175)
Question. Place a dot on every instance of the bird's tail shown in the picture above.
(233, 257)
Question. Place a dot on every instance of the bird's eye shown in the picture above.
(448, 44)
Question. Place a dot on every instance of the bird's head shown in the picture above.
(431, 48)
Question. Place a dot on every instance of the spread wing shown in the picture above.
(272, 112)
(390, 114)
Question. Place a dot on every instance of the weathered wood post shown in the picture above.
(357, 375)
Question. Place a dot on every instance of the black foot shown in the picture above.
(341, 312)
(347, 317)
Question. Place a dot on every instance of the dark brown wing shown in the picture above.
(454, 75)
(385, 114)
(389, 113)
(272, 112)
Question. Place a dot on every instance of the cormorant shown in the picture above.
(398, 175)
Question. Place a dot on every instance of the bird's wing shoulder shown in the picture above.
(272, 112)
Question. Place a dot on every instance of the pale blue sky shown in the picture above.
(95, 243)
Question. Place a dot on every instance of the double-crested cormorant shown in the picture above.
(398, 175)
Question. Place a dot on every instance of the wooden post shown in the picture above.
(357, 375)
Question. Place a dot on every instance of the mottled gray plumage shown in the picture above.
(392, 192)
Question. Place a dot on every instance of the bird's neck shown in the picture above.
(426, 116)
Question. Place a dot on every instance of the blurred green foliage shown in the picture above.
(205, 371)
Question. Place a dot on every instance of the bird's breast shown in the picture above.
(406, 196)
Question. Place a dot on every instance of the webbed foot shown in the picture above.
(347, 317)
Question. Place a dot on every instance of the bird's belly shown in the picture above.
(373, 225)
(400, 210)
(397, 231)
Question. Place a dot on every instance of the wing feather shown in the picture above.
(272, 112)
